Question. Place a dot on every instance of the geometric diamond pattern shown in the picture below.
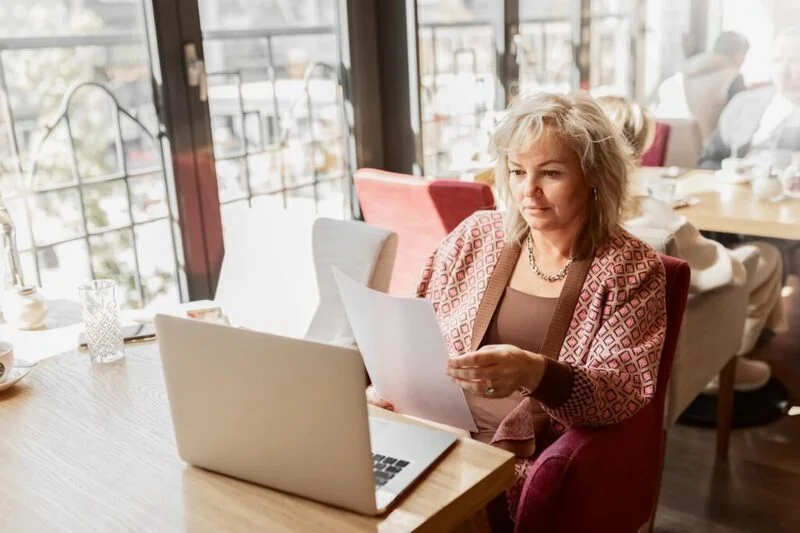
(616, 334)
(615, 337)
(617, 331)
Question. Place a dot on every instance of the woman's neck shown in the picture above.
(555, 244)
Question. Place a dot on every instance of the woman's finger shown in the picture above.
(486, 357)
(383, 404)
(375, 399)
(473, 386)
(482, 388)
(479, 373)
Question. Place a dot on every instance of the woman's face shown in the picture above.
(547, 182)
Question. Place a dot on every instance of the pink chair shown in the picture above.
(421, 211)
(657, 154)
(607, 479)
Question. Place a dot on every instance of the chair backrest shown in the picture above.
(571, 485)
(678, 276)
(276, 274)
(655, 156)
(421, 211)
(685, 142)
(363, 252)
(267, 280)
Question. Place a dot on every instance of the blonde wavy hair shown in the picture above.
(636, 124)
(604, 155)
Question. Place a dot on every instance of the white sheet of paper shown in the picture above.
(404, 352)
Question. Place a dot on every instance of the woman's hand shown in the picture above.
(496, 371)
(374, 398)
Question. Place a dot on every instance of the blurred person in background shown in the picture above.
(712, 265)
(637, 126)
(707, 83)
(763, 124)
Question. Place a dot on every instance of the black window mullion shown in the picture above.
(187, 123)
(581, 42)
(398, 58)
(505, 25)
(638, 36)
(359, 69)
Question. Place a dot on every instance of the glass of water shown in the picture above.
(101, 317)
(664, 190)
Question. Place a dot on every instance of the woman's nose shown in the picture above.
(532, 188)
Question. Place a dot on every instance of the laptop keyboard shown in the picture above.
(385, 468)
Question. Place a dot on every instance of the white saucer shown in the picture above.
(727, 177)
(17, 373)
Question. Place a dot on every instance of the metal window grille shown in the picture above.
(30, 191)
(281, 127)
(34, 184)
(268, 129)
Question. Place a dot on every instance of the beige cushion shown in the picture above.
(764, 307)
(710, 337)
(749, 256)
(711, 333)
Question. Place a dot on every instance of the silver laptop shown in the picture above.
(287, 413)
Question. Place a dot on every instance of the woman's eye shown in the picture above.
(550, 173)
(517, 172)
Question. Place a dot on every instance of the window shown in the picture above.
(278, 115)
(81, 167)
(546, 57)
(457, 83)
(611, 48)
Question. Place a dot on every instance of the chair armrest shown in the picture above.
(574, 485)
(748, 256)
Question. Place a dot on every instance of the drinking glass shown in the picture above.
(664, 190)
(101, 317)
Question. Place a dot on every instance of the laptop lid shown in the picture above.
(285, 413)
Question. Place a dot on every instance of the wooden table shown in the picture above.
(730, 208)
(90, 449)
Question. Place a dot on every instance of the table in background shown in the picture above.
(730, 208)
(90, 448)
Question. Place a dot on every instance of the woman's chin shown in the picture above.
(540, 223)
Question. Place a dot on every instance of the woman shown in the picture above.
(636, 125)
(553, 315)
(713, 266)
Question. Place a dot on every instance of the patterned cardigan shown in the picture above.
(605, 369)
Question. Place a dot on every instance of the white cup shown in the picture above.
(734, 166)
(664, 190)
(6, 360)
(766, 188)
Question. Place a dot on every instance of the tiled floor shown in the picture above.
(758, 488)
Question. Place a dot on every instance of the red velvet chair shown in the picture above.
(657, 154)
(421, 211)
(607, 479)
